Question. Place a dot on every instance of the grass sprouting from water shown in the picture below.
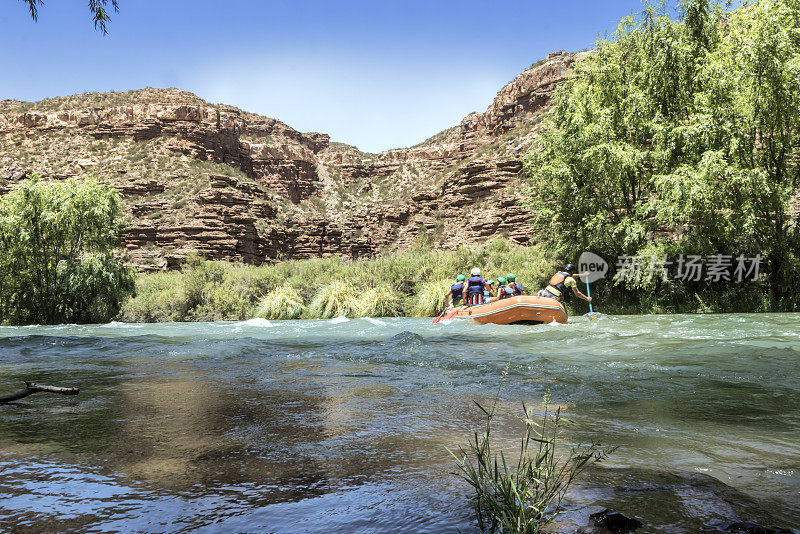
(523, 496)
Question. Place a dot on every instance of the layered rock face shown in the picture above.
(238, 186)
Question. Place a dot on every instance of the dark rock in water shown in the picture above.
(613, 521)
(749, 527)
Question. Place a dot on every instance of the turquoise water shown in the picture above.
(342, 426)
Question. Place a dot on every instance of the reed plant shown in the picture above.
(523, 496)
(339, 298)
(217, 301)
(283, 302)
(430, 298)
(380, 301)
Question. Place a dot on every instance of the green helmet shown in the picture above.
(510, 277)
(490, 281)
(501, 280)
(460, 278)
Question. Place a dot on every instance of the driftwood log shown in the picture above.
(31, 388)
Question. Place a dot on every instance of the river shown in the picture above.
(343, 425)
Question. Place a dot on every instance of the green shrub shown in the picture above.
(198, 274)
(219, 301)
(160, 297)
(57, 253)
(283, 302)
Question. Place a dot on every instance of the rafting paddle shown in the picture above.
(440, 316)
(448, 316)
(589, 294)
(452, 313)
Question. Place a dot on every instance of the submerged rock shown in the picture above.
(667, 502)
(612, 521)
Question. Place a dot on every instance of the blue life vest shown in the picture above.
(518, 289)
(504, 294)
(456, 290)
(475, 285)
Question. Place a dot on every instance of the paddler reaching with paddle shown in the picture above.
(561, 281)
(455, 292)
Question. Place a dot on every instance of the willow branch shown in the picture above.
(31, 388)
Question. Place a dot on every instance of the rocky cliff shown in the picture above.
(238, 186)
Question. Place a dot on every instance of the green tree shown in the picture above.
(97, 8)
(57, 253)
(679, 136)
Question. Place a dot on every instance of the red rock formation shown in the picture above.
(298, 195)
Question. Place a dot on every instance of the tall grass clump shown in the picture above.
(430, 298)
(283, 302)
(336, 299)
(523, 496)
(379, 302)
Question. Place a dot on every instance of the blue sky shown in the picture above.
(377, 75)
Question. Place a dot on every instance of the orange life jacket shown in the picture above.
(557, 286)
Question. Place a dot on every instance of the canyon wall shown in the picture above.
(238, 186)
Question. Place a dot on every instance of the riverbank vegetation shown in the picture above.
(58, 261)
(410, 283)
(680, 137)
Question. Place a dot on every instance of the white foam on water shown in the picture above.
(340, 319)
(117, 324)
(376, 321)
(257, 321)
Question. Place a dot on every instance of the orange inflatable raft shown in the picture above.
(525, 309)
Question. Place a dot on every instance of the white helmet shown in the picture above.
(475, 271)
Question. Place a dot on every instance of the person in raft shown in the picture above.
(512, 289)
(474, 288)
(456, 292)
(489, 291)
(501, 283)
(561, 281)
